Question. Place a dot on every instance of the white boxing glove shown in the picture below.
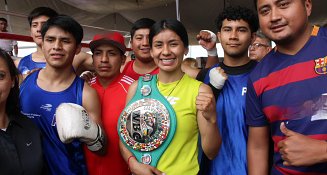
(217, 77)
(73, 122)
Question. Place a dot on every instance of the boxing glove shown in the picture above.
(73, 122)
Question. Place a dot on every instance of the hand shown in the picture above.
(87, 75)
(207, 39)
(299, 150)
(205, 103)
(217, 77)
(143, 169)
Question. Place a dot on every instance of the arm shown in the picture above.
(257, 150)
(83, 62)
(92, 105)
(16, 50)
(212, 60)
(136, 167)
(207, 121)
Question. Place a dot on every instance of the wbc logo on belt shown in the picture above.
(144, 125)
(321, 65)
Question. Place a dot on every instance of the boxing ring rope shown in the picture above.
(11, 36)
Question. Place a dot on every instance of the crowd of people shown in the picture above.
(261, 110)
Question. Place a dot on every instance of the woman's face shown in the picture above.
(168, 50)
(6, 82)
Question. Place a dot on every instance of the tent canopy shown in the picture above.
(98, 16)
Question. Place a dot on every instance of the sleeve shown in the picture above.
(254, 114)
(202, 74)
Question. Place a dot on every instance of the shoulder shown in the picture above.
(205, 88)
(127, 79)
(26, 123)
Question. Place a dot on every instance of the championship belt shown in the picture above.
(148, 123)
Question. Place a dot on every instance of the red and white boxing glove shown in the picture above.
(73, 122)
(217, 77)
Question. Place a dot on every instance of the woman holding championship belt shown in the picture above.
(160, 126)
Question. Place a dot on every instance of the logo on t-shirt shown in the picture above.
(321, 65)
(46, 107)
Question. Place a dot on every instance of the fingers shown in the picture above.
(203, 101)
(287, 132)
(156, 171)
(207, 36)
(222, 72)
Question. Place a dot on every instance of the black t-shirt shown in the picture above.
(21, 148)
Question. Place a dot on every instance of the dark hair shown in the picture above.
(141, 24)
(66, 23)
(259, 34)
(171, 24)
(12, 105)
(41, 11)
(4, 20)
(238, 13)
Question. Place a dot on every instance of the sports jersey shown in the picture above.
(26, 64)
(181, 156)
(113, 102)
(230, 108)
(40, 106)
(129, 71)
(291, 89)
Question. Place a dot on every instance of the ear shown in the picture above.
(219, 36)
(78, 49)
(12, 83)
(308, 6)
(123, 57)
(186, 51)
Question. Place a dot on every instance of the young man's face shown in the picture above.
(283, 20)
(140, 45)
(235, 37)
(3, 26)
(36, 26)
(59, 48)
(107, 60)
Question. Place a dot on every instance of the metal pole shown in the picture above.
(178, 17)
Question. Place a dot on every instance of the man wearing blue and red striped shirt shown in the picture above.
(287, 93)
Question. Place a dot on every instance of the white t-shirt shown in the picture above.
(7, 45)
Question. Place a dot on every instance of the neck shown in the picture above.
(58, 75)
(105, 82)
(144, 67)
(168, 77)
(234, 62)
(38, 56)
(296, 44)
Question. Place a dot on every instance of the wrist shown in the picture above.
(212, 52)
(325, 155)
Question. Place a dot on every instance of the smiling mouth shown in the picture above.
(167, 61)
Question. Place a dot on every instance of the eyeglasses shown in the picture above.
(257, 45)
